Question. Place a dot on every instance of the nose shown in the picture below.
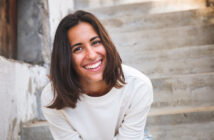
(91, 53)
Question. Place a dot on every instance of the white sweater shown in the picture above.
(118, 115)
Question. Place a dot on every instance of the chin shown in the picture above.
(96, 79)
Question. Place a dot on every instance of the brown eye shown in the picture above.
(76, 49)
(96, 42)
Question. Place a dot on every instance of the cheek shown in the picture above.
(103, 50)
(77, 60)
(74, 60)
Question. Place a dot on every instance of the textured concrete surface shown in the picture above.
(161, 6)
(36, 133)
(198, 125)
(20, 86)
(165, 37)
(33, 31)
(57, 10)
(187, 131)
(158, 21)
(180, 115)
(164, 42)
(82, 4)
(161, 63)
(184, 90)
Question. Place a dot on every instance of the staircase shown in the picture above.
(173, 43)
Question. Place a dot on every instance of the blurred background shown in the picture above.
(171, 41)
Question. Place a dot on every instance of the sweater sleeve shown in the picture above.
(58, 125)
(133, 124)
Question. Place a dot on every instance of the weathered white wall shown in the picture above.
(20, 85)
(57, 10)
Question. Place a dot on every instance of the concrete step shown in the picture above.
(161, 124)
(164, 38)
(177, 53)
(36, 131)
(188, 131)
(146, 8)
(82, 4)
(180, 115)
(184, 123)
(184, 90)
(169, 62)
(156, 21)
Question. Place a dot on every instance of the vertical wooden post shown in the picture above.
(8, 28)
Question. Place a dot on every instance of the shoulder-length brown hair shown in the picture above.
(63, 77)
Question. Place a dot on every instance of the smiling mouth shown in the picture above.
(94, 66)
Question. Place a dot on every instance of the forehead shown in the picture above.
(81, 32)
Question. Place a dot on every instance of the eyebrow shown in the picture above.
(93, 38)
(77, 44)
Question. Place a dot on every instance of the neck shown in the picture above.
(95, 88)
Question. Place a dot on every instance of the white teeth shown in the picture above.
(93, 66)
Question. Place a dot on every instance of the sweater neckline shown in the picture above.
(97, 99)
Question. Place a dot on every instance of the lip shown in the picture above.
(98, 68)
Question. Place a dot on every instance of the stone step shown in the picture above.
(156, 21)
(180, 114)
(164, 38)
(82, 4)
(36, 131)
(188, 131)
(188, 125)
(177, 53)
(169, 62)
(166, 118)
(184, 90)
(146, 8)
(182, 123)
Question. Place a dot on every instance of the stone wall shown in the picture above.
(20, 85)
(33, 31)
(57, 10)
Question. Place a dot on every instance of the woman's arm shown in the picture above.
(132, 127)
(58, 124)
(59, 127)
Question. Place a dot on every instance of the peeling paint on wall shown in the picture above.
(20, 83)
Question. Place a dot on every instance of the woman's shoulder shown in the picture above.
(132, 74)
(47, 95)
(138, 85)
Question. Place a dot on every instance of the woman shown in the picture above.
(92, 96)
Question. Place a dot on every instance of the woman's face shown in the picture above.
(88, 52)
